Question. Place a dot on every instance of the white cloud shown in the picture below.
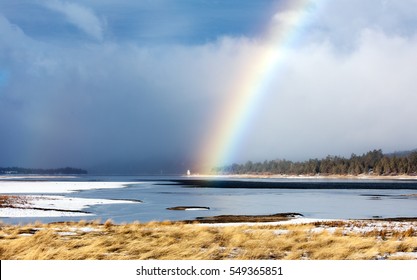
(343, 21)
(323, 101)
(80, 16)
(287, 18)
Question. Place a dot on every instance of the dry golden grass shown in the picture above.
(168, 240)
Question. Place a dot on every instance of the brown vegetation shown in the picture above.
(247, 218)
(11, 201)
(168, 240)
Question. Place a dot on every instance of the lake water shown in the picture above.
(361, 199)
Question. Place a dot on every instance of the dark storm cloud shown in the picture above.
(104, 101)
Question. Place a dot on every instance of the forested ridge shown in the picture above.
(373, 162)
(20, 170)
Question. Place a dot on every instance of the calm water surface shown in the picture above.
(158, 194)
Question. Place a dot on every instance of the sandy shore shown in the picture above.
(32, 199)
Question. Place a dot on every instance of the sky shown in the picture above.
(140, 85)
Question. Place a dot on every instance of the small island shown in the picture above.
(185, 208)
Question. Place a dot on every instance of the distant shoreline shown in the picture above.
(286, 176)
(297, 182)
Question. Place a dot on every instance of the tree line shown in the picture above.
(56, 171)
(373, 162)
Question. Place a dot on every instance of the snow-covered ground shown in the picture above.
(43, 205)
(354, 226)
(44, 187)
(295, 221)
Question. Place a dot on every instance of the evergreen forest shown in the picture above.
(373, 162)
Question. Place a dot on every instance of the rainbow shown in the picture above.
(228, 128)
